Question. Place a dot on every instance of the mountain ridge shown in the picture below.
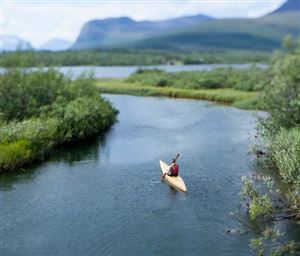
(104, 32)
(288, 6)
(13, 43)
(193, 32)
(56, 44)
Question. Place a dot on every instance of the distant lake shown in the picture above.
(125, 71)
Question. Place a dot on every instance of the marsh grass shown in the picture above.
(226, 96)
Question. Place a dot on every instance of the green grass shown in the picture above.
(228, 96)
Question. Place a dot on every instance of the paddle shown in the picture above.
(177, 156)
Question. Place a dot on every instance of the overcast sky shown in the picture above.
(41, 20)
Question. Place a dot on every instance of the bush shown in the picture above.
(14, 154)
(282, 96)
(38, 132)
(41, 109)
(281, 133)
(284, 152)
(23, 94)
(84, 117)
(260, 206)
(252, 79)
(151, 77)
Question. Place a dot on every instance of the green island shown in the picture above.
(226, 96)
(239, 88)
(40, 110)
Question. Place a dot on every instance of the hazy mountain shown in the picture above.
(56, 44)
(13, 43)
(264, 34)
(113, 31)
(194, 32)
(288, 6)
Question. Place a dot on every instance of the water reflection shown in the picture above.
(79, 151)
(68, 154)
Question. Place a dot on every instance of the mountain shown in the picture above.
(114, 31)
(194, 33)
(288, 6)
(13, 43)
(56, 44)
(263, 34)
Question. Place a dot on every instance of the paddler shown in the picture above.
(174, 169)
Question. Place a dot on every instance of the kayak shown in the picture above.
(175, 182)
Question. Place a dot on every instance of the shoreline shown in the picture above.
(231, 97)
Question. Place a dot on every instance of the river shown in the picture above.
(104, 196)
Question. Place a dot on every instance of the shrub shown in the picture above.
(153, 77)
(41, 109)
(282, 96)
(84, 117)
(14, 154)
(36, 131)
(252, 79)
(284, 150)
(23, 94)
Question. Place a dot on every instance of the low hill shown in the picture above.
(194, 33)
(56, 44)
(13, 43)
(116, 31)
(255, 34)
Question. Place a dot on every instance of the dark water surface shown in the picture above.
(104, 196)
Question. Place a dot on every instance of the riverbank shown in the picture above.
(40, 110)
(228, 96)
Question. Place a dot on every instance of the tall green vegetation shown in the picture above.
(274, 196)
(127, 57)
(240, 87)
(252, 79)
(41, 109)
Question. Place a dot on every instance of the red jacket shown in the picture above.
(175, 169)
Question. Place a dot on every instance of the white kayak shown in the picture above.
(175, 182)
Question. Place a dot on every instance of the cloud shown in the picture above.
(39, 21)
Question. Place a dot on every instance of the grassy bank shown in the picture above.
(42, 109)
(228, 96)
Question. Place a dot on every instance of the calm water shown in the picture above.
(105, 197)
(125, 71)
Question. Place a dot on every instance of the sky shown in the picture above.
(38, 21)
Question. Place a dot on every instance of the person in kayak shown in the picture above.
(174, 169)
